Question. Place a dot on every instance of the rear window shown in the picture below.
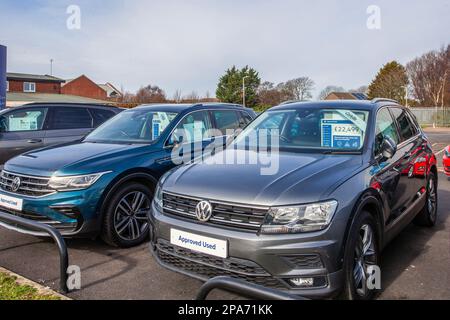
(100, 116)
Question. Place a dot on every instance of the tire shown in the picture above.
(125, 222)
(360, 253)
(427, 217)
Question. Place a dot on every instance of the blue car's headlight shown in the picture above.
(303, 218)
(73, 183)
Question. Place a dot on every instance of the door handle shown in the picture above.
(34, 141)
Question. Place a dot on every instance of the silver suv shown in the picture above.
(351, 176)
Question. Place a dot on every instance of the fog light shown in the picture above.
(302, 282)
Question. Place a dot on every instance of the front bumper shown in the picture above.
(268, 260)
(73, 214)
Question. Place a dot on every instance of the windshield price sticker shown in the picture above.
(156, 129)
(341, 134)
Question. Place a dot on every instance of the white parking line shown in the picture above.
(438, 153)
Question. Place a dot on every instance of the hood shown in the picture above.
(80, 158)
(300, 178)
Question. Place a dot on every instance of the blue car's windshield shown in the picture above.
(307, 128)
(133, 126)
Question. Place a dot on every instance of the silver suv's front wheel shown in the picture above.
(361, 253)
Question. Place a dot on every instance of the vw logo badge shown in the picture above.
(15, 186)
(203, 211)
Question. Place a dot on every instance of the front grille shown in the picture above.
(231, 215)
(30, 186)
(61, 226)
(207, 267)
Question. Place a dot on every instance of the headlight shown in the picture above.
(447, 152)
(159, 197)
(159, 191)
(73, 183)
(305, 218)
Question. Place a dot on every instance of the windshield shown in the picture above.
(307, 128)
(134, 126)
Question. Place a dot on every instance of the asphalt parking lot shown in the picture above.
(414, 266)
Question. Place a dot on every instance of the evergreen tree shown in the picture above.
(391, 82)
(229, 88)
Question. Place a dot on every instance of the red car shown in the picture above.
(447, 161)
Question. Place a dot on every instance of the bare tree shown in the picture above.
(429, 75)
(177, 97)
(329, 89)
(150, 94)
(362, 89)
(192, 97)
(269, 95)
(300, 88)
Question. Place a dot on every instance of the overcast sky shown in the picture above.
(188, 44)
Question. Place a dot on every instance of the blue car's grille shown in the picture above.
(236, 216)
(28, 186)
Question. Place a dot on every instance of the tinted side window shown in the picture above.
(414, 121)
(23, 120)
(246, 117)
(225, 120)
(194, 127)
(385, 127)
(407, 130)
(100, 116)
(70, 118)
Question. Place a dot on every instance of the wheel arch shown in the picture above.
(141, 175)
(371, 202)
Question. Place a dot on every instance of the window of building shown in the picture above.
(29, 87)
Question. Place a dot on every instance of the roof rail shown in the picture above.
(222, 104)
(376, 100)
(292, 101)
(94, 104)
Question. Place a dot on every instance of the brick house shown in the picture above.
(111, 91)
(346, 96)
(84, 87)
(33, 83)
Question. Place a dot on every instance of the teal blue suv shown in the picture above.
(104, 183)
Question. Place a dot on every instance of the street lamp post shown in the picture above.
(243, 90)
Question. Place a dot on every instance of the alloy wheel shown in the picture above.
(365, 256)
(130, 217)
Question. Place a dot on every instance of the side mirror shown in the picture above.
(388, 148)
(176, 140)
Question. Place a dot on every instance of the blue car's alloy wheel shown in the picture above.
(125, 215)
(130, 219)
